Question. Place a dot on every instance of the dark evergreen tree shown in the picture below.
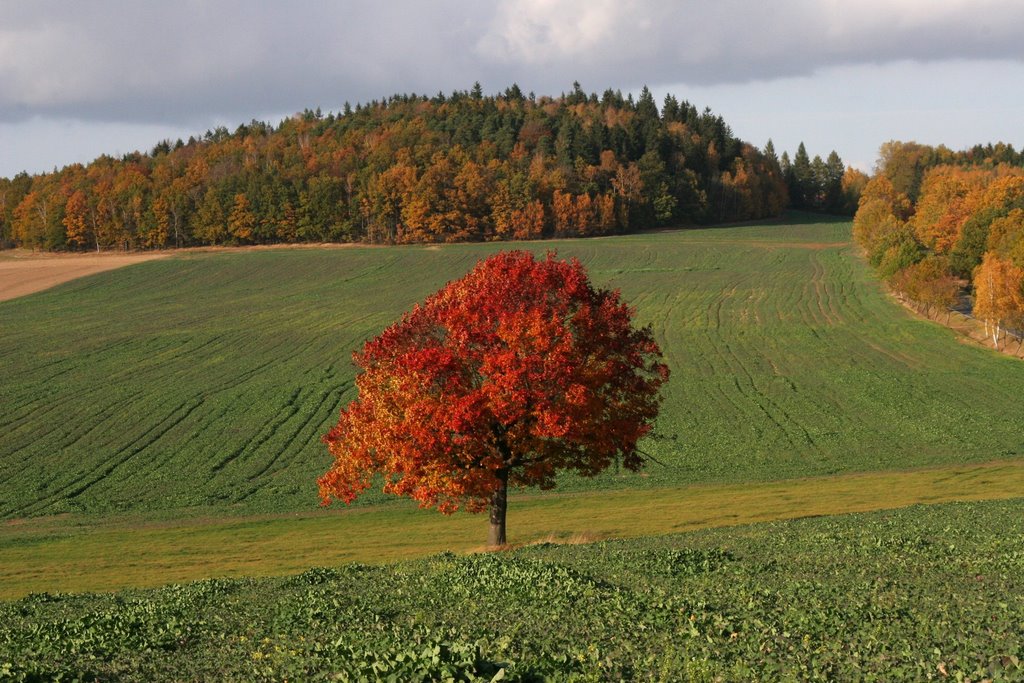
(833, 183)
(770, 156)
(670, 110)
(801, 183)
(815, 190)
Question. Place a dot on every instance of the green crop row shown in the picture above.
(924, 593)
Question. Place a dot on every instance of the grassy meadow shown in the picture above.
(161, 422)
(161, 425)
(203, 382)
(116, 552)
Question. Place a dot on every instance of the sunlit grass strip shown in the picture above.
(69, 555)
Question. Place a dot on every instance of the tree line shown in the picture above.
(820, 185)
(409, 168)
(935, 222)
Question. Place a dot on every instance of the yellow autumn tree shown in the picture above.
(514, 214)
(882, 213)
(604, 209)
(241, 220)
(998, 297)
(949, 195)
(583, 215)
(76, 224)
(1006, 236)
(928, 285)
(563, 211)
(851, 187)
(525, 223)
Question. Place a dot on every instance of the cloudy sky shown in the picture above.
(78, 79)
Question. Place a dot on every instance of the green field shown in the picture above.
(200, 384)
(161, 424)
(923, 593)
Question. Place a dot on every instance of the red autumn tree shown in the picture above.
(517, 371)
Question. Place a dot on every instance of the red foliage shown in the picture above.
(520, 369)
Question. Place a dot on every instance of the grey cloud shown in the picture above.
(186, 62)
(173, 62)
(708, 43)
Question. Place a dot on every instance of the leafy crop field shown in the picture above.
(921, 593)
(203, 381)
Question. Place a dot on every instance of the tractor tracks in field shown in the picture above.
(18, 459)
(747, 392)
(81, 483)
(39, 464)
(283, 455)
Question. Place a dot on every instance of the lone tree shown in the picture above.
(518, 370)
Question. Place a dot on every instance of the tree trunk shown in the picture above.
(499, 504)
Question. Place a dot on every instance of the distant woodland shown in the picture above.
(935, 222)
(420, 169)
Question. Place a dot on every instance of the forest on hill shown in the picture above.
(410, 168)
(935, 222)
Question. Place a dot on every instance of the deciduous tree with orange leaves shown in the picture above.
(517, 371)
(998, 295)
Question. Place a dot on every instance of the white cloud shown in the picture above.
(546, 31)
(732, 41)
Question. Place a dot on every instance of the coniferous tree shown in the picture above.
(815, 191)
(802, 180)
(833, 186)
(787, 176)
(770, 155)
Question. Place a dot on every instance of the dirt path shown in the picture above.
(25, 272)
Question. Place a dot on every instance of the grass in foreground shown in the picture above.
(106, 554)
(921, 593)
(205, 380)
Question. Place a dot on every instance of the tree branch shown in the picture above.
(648, 456)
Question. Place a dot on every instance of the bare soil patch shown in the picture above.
(26, 272)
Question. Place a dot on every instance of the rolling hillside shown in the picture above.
(205, 380)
